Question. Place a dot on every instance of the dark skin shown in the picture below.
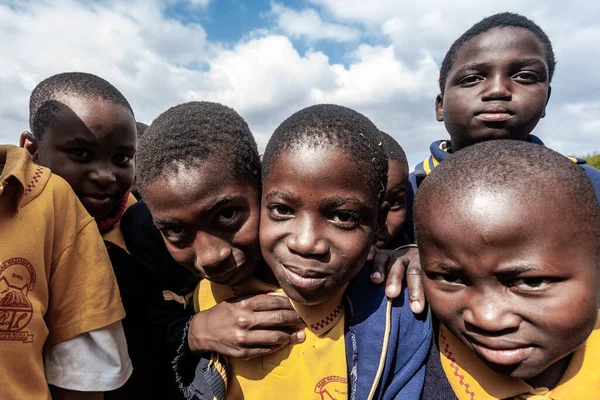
(395, 195)
(209, 222)
(497, 88)
(505, 276)
(318, 222)
(91, 145)
(182, 205)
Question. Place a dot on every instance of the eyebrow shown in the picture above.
(473, 66)
(521, 62)
(215, 205)
(516, 270)
(337, 201)
(283, 195)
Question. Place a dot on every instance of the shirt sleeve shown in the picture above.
(84, 295)
(95, 361)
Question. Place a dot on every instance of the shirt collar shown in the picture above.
(471, 378)
(320, 318)
(20, 170)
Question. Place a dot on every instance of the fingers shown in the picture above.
(265, 302)
(372, 251)
(276, 319)
(415, 288)
(250, 344)
(380, 266)
(393, 285)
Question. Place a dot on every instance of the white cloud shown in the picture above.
(308, 24)
(390, 74)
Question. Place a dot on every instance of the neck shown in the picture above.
(550, 377)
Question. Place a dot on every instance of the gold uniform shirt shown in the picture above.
(315, 369)
(471, 379)
(56, 281)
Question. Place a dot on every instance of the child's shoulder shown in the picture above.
(370, 309)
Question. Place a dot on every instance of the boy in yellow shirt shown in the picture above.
(511, 270)
(57, 289)
(199, 173)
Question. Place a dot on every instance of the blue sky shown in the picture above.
(268, 59)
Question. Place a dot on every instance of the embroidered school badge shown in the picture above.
(332, 388)
(17, 279)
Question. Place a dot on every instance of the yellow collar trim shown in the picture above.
(320, 318)
(471, 379)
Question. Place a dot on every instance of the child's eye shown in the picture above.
(228, 216)
(280, 211)
(470, 80)
(122, 159)
(80, 154)
(173, 232)
(446, 278)
(531, 283)
(345, 219)
(526, 77)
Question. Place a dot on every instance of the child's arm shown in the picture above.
(95, 361)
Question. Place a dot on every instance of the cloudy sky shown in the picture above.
(268, 59)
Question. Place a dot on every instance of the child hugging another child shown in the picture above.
(323, 186)
(511, 271)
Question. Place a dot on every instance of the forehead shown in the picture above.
(511, 225)
(501, 44)
(99, 121)
(198, 186)
(306, 169)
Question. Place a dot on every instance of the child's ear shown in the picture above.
(261, 158)
(547, 100)
(29, 143)
(381, 218)
(439, 107)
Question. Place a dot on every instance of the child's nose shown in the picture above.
(103, 176)
(305, 240)
(497, 87)
(490, 313)
(210, 250)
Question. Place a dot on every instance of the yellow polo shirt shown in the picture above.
(581, 380)
(315, 369)
(56, 281)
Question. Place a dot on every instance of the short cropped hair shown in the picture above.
(392, 149)
(195, 132)
(49, 94)
(328, 125)
(505, 19)
(532, 171)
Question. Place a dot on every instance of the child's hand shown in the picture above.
(246, 327)
(395, 264)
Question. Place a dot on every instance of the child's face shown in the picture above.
(208, 220)
(91, 144)
(497, 88)
(512, 279)
(318, 222)
(395, 195)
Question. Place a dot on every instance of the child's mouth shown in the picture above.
(503, 354)
(96, 201)
(304, 279)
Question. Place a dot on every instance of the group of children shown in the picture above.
(277, 299)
